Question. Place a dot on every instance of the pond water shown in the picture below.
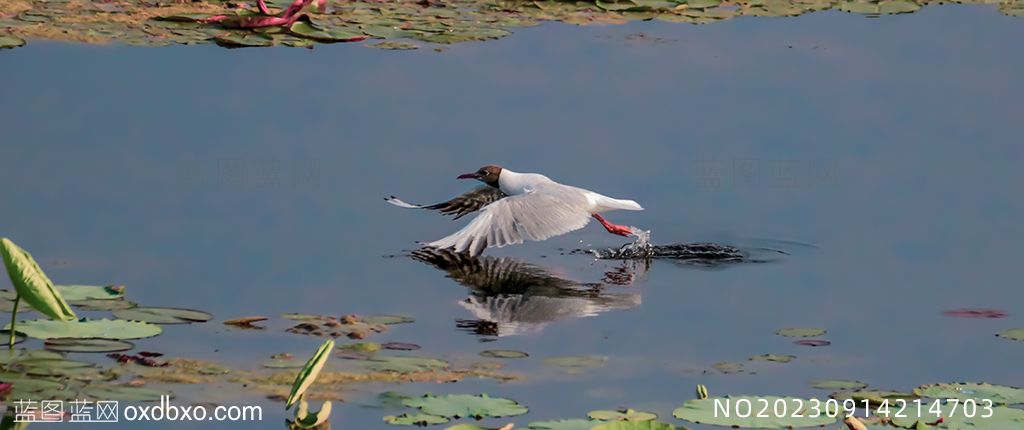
(882, 155)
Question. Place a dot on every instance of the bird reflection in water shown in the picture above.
(510, 297)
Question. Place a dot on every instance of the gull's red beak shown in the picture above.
(473, 175)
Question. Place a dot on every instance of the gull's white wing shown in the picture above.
(550, 209)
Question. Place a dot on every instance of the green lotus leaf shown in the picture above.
(464, 405)
(387, 319)
(503, 353)
(621, 415)
(87, 345)
(954, 416)
(361, 347)
(779, 358)
(577, 362)
(103, 305)
(11, 42)
(573, 424)
(800, 332)
(618, 6)
(404, 364)
(31, 283)
(897, 6)
(162, 315)
(636, 425)
(125, 393)
(309, 372)
(728, 367)
(1013, 334)
(28, 387)
(74, 293)
(703, 411)
(304, 419)
(243, 39)
(18, 337)
(395, 46)
(102, 328)
(998, 394)
(873, 397)
(414, 419)
(702, 4)
(837, 384)
(307, 30)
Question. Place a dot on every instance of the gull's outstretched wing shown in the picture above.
(550, 209)
(460, 205)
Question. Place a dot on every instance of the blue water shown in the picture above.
(882, 154)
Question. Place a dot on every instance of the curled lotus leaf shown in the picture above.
(708, 411)
(621, 415)
(466, 406)
(414, 419)
(162, 315)
(998, 394)
(31, 284)
(305, 419)
(101, 328)
(309, 372)
(800, 332)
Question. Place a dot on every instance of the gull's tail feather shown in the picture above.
(608, 203)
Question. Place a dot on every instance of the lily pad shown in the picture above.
(161, 315)
(103, 305)
(573, 424)
(1013, 334)
(621, 415)
(307, 30)
(503, 353)
(102, 328)
(998, 394)
(780, 358)
(90, 292)
(801, 332)
(837, 384)
(404, 364)
(874, 397)
(243, 40)
(395, 46)
(125, 393)
(1002, 417)
(466, 406)
(414, 419)
(18, 337)
(87, 345)
(11, 42)
(637, 425)
(400, 346)
(703, 411)
(388, 319)
(727, 367)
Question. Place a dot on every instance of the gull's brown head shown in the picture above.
(487, 174)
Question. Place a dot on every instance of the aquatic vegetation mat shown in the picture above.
(306, 23)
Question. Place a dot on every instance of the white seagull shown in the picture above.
(516, 206)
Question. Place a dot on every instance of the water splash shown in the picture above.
(696, 253)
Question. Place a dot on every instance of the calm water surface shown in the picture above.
(882, 154)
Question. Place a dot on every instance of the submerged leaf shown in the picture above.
(837, 384)
(503, 353)
(307, 30)
(32, 285)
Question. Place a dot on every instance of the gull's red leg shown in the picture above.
(262, 5)
(620, 230)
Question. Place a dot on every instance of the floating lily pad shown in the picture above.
(998, 394)
(404, 364)
(727, 367)
(503, 353)
(307, 30)
(395, 46)
(414, 420)
(18, 337)
(621, 415)
(780, 358)
(125, 393)
(90, 292)
(874, 397)
(703, 411)
(388, 319)
(103, 305)
(102, 328)
(243, 40)
(246, 322)
(10, 42)
(161, 315)
(87, 345)
(466, 406)
(1013, 334)
(369, 347)
(573, 424)
(1002, 417)
(837, 384)
(400, 346)
(800, 332)
(636, 425)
